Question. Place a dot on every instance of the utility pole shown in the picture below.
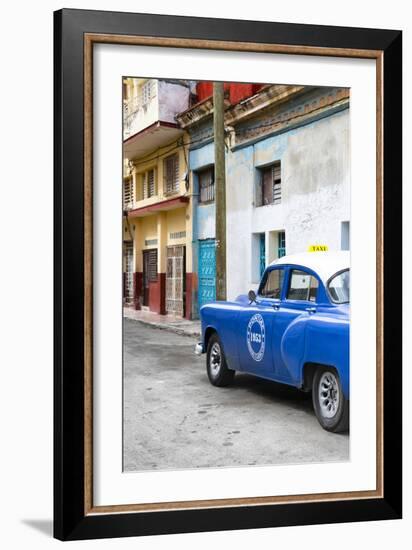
(220, 188)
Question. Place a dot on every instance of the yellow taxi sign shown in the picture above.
(318, 248)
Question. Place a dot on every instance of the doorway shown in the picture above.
(175, 279)
(149, 272)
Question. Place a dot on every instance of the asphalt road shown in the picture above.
(174, 418)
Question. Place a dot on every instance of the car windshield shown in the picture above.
(338, 287)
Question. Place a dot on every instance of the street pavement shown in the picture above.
(174, 418)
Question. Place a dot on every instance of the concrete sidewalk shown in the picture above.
(164, 322)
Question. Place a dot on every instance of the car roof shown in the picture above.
(325, 264)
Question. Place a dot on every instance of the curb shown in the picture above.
(165, 326)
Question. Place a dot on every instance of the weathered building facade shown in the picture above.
(157, 198)
(198, 121)
(287, 179)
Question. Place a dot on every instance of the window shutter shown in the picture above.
(277, 194)
(144, 185)
(267, 186)
(150, 183)
(171, 174)
(128, 193)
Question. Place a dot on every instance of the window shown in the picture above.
(262, 254)
(171, 174)
(148, 184)
(302, 286)
(207, 185)
(128, 194)
(272, 286)
(281, 244)
(344, 241)
(150, 265)
(338, 287)
(269, 185)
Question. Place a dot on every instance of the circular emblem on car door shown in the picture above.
(256, 337)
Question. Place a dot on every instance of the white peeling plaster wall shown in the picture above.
(315, 194)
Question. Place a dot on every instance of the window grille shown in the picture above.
(207, 185)
(128, 271)
(175, 279)
(151, 264)
(177, 235)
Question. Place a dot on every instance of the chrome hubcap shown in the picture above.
(328, 394)
(215, 359)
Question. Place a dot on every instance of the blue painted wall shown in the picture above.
(203, 215)
(314, 179)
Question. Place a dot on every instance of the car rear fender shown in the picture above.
(221, 317)
(327, 344)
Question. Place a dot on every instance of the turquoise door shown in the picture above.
(207, 272)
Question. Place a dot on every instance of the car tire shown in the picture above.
(217, 370)
(330, 405)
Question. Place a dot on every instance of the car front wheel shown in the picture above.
(331, 406)
(217, 370)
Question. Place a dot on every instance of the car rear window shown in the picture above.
(339, 286)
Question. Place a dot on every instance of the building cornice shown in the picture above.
(266, 97)
(297, 122)
(198, 113)
(269, 96)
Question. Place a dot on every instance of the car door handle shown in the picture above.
(276, 307)
(310, 309)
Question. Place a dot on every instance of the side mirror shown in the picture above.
(252, 296)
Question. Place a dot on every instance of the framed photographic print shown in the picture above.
(227, 274)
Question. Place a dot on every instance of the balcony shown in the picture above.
(165, 204)
(159, 184)
(150, 112)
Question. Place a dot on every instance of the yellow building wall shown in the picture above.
(142, 165)
(127, 236)
(175, 224)
(179, 220)
(160, 225)
(148, 229)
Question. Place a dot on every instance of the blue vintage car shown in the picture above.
(295, 331)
